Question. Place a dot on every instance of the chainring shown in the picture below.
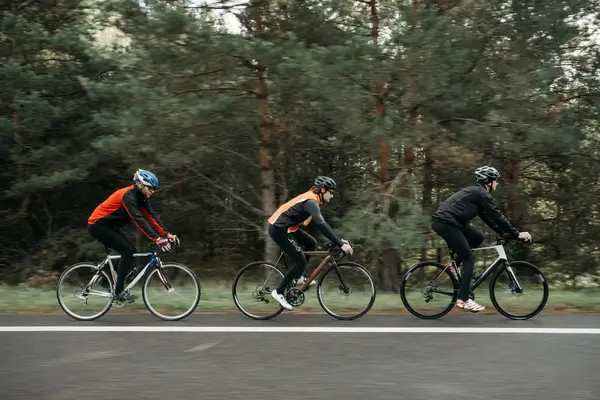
(295, 297)
(118, 304)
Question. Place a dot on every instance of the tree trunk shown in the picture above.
(388, 267)
(267, 178)
(512, 179)
(267, 175)
(426, 202)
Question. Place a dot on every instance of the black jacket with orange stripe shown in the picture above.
(127, 204)
(300, 211)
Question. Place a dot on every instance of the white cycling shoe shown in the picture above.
(280, 299)
(469, 305)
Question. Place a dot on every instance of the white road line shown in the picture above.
(293, 329)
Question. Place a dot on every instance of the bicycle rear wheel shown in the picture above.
(179, 283)
(252, 286)
(334, 293)
(521, 288)
(422, 281)
(83, 292)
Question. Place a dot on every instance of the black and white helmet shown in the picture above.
(326, 182)
(486, 174)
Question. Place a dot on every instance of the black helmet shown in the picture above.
(326, 182)
(486, 174)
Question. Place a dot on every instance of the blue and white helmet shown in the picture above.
(147, 178)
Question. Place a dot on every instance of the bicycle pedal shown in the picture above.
(118, 304)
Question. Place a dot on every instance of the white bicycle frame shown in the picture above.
(109, 259)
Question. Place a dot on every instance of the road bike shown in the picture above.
(519, 280)
(255, 281)
(96, 282)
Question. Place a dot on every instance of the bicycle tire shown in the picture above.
(410, 271)
(66, 309)
(538, 309)
(194, 304)
(234, 291)
(331, 269)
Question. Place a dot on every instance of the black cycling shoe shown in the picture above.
(126, 297)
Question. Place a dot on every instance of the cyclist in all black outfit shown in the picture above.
(451, 220)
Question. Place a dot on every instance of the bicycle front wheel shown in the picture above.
(429, 290)
(347, 289)
(179, 287)
(521, 288)
(252, 289)
(83, 292)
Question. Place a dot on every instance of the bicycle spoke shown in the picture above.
(78, 297)
(252, 290)
(347, 298)
(519, 292)
(171, 292)
(428, 290)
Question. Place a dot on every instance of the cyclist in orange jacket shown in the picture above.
(284, 229)
(121, 207)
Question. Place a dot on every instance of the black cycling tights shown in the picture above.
(461, 241)
(290, 244)
(115, 239)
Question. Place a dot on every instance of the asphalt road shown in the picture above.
(281, 366)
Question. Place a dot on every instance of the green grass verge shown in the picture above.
(19, 300)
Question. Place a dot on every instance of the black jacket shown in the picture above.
(470, 202)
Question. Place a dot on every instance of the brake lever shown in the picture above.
(157, 249)
(504, 240)
(335, 252)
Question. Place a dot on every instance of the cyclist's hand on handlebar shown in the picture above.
(525, 236)
(346, 248)
(174, 239)
(164, 244)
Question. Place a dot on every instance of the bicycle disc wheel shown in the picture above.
(252, 286)
(354, 298)
(429, 290)
(522, 301)
(79, 296)
(179, 288)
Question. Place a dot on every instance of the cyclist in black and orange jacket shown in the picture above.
(126, 204)
(284, 227)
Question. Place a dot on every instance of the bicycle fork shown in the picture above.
(163, 279)
(345, 289)
(517, 286)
